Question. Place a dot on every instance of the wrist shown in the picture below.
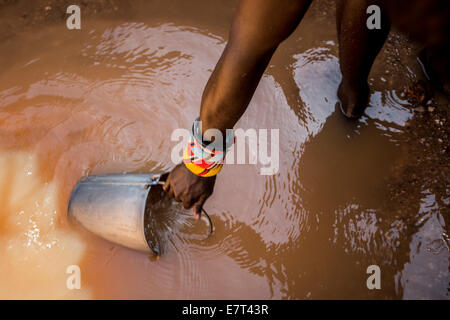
(205, 158)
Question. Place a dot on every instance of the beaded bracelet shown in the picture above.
(205, 158)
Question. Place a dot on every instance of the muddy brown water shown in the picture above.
(106, 99)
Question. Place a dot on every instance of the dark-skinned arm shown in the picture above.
(258, 27)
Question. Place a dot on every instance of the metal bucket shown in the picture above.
(114, 206)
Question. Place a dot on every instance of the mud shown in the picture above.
(106, 99)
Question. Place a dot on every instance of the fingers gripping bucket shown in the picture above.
(114, 207)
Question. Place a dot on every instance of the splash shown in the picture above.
(35, 250)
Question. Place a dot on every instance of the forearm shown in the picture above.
(231, 87)
(258, 28)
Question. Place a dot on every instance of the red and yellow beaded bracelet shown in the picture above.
(205, 159)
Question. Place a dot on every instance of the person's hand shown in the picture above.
(188, 188)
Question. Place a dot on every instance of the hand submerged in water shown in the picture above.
(188, 188)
